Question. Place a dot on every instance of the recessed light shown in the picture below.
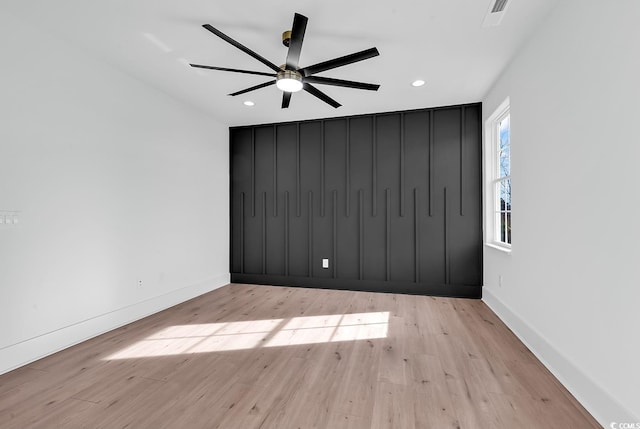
(249, 103)
(417, 83)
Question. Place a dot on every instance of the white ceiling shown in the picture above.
(440, 41)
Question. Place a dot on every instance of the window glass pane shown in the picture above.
(505, 194)
(499, 146)
(504, 147)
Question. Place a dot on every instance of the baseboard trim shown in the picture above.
(30, 350)
(596, 400)
(446, 290)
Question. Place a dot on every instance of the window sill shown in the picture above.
(504, 249)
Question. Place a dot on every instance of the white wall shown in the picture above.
(571, 287)
(115, 182)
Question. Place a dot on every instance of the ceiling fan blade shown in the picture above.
(295, 44)
(286, 98)
(339, 62)
(253, 88)
(233, 70)
(340, 82)
(243, 48)
(321, 95)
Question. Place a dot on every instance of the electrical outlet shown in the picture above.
(139, 283)
(499, 281)
(9, 218)
(325, 263)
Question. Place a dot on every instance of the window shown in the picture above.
(498, 140)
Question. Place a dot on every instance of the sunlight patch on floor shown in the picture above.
(242, 335)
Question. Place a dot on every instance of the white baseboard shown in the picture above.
(24, 352)
(602, 405)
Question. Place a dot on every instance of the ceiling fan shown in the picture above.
(289, 77)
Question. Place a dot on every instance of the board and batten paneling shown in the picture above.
(393, 200)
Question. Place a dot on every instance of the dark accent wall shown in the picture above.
(393, 200)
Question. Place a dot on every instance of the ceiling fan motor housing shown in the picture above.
(286, 38)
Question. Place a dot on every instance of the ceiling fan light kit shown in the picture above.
(289, 81)
(291, 78)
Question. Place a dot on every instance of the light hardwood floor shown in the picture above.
(246, 356)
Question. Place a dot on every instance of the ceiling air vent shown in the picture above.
(499, 6)
(495, 13)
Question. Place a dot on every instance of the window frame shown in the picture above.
(493, 179)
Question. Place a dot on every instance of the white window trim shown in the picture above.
(491, 169)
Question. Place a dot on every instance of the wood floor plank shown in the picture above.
(70, 413)
(248, 356)
(393, 357)
(341, 421)
(393, 407)
(355, 395)
(428, 382)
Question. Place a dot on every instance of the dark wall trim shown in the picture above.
(452, 291)
(393, 200)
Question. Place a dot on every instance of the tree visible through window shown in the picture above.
(503, 181)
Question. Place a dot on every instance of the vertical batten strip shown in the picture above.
(298, 196)
(264, 233)
(388, 235)
(310, 235)
(347, 186)
(242, 232)
(360, 234)
(402, 154)
(322, 161)
(253, 172)
(430, 184)
(334, 254)
(416, 235)
(275, 170)
(462, 140)
(374, 167)
(286, 233)
(446, 239)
